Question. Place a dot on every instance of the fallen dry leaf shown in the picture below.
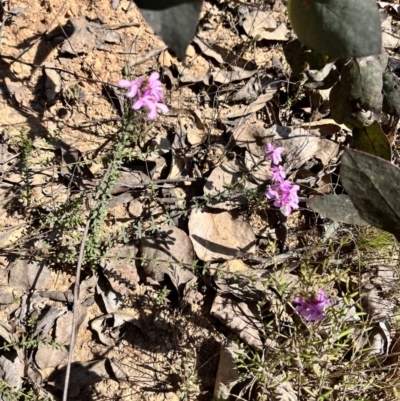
(48, 356)
(208, 51)
(11, 369)
(257, 105)
(227, 375)
(251, 136)
(90, 372)
(259, 168)
(26, 275)
(300, 146)
(112, 299)
(120, 268)
(226, 77)
(284, 392)
(220, 236)
(238, 317)
(257, 22)
(108, 327)
(167, 253)
(228, 173)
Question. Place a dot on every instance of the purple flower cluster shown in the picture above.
(313, 308)
(148, 93)
(282, 191)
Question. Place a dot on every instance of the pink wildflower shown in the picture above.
(134, 87)
(274, 154)
(314, 307)
(154, 86)
(285, 196)
(279, 173)
(150, 103)
(147, 93)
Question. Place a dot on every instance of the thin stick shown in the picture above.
(152, 53)
(75, 309)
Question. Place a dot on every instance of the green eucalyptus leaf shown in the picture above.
(343, 110)
(337, 28)
(301, 58)
(359, 90)
(373, 185)
(371, 139)
(391, 94)
(174, 21)
(310, 64)
(362, 79)
(337, 208)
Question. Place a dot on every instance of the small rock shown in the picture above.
(135, 208)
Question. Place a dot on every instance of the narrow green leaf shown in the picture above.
(345, 333)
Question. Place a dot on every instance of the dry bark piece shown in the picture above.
(238, 317)
(167, 253)
(26, 275)
(220, 236)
